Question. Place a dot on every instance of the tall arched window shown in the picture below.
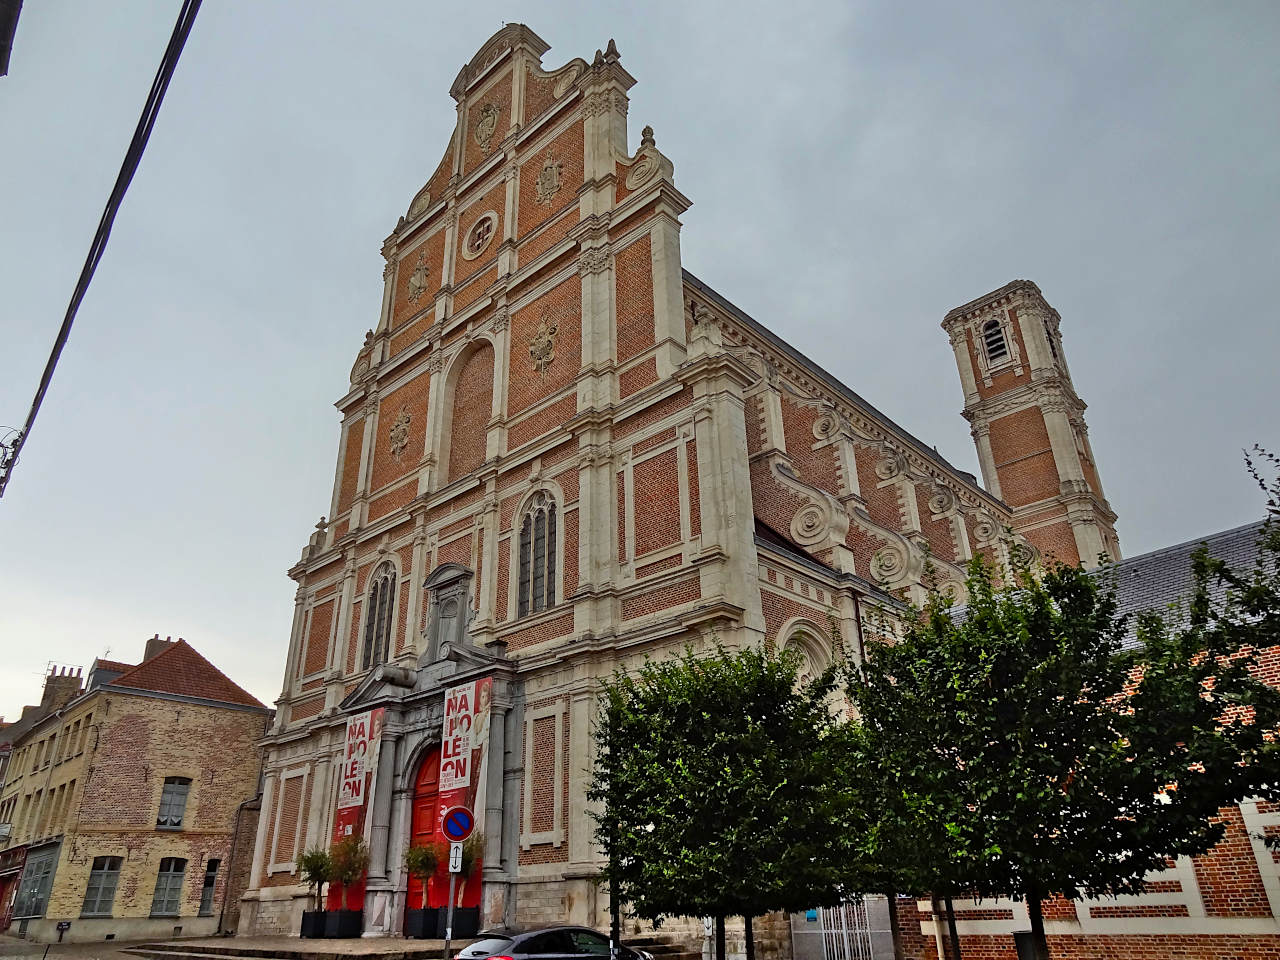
(538, 555)
(993, 340)
(380, 605)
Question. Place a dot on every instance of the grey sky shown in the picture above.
(856, 170)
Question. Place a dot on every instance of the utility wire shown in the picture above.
(186, 17)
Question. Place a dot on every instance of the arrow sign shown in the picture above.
(457, 824)
(455, 858)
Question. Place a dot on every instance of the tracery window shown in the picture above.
(379, 610)
(538, 555)
(993, 340)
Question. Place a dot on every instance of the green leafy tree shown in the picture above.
(715, 788)
(1043, 757)
(421, 861)
(348, 860)
(314, 868)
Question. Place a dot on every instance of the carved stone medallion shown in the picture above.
(486, 125)
(548, 184)
(419, 279)
(400, 433)
(542, 349)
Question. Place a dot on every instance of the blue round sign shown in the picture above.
(457, 824)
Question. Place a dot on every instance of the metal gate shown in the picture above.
(846, 931)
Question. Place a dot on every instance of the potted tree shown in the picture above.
(348, 860)
(422, 862)
(466, 920)
(314, 867)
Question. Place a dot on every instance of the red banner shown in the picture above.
(357, 781)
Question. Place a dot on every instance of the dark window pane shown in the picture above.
(173, 803)
(588, 941)
(525, 565)
(551, 943)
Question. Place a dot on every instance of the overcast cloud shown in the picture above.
(856, 170)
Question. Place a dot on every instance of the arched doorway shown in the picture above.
(422, 829)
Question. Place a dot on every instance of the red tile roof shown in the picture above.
(179, 669)
(114, 665)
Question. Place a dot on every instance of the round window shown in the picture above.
(480, 235)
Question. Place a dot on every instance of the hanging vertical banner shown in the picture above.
(357, 779)
(463, 748)
(360, 758)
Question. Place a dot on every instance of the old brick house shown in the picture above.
(123, 804)
(560, 452)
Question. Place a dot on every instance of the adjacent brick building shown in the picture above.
(122, 805)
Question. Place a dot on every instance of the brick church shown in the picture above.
(561, 453)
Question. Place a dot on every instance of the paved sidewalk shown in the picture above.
(13, 947)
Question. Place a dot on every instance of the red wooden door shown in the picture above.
(422, 830)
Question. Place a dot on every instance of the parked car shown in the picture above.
(545, 943)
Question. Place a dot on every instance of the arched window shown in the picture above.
(993, 340)
(380, 605)
(538, 555)
(1053, 343)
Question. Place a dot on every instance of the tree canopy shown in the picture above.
(718, 786)
(1036, 753)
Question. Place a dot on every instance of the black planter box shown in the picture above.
(422, 924)
(312, 924)
(466, 922)
(343, 924)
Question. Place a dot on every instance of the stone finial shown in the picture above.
(368, 337)
(611, 52)
(646, 137)
(598, 60)
(321, 524)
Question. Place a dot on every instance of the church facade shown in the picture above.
(561, 453)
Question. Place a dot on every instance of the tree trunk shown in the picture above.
(750, 939)
(951, 929)
(892, 897)
(1041, 943)
(719, 938)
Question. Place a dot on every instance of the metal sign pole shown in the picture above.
(448, 917)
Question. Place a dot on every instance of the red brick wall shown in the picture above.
(472, 406)
(410, 399)
(1023, 457)
(350, 466)
(656, 491)
(318, 638)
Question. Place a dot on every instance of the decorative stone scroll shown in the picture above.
(542, 349)
(486, 125)
(548, 184)
(399, 434)
(420, 279)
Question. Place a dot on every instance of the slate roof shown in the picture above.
(180, 670)
(1162, 578)
(119, 666)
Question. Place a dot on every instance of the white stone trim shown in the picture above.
(1255, 824)
(556, 834)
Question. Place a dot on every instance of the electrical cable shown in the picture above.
(181, 30)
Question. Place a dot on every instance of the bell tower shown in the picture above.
(1028, 423)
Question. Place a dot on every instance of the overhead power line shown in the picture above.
(186, 17)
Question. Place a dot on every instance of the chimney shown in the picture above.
(60, 687)
(155, 645)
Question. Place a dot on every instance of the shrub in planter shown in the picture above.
(348, 860)
(314, 868)
(421, 862)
